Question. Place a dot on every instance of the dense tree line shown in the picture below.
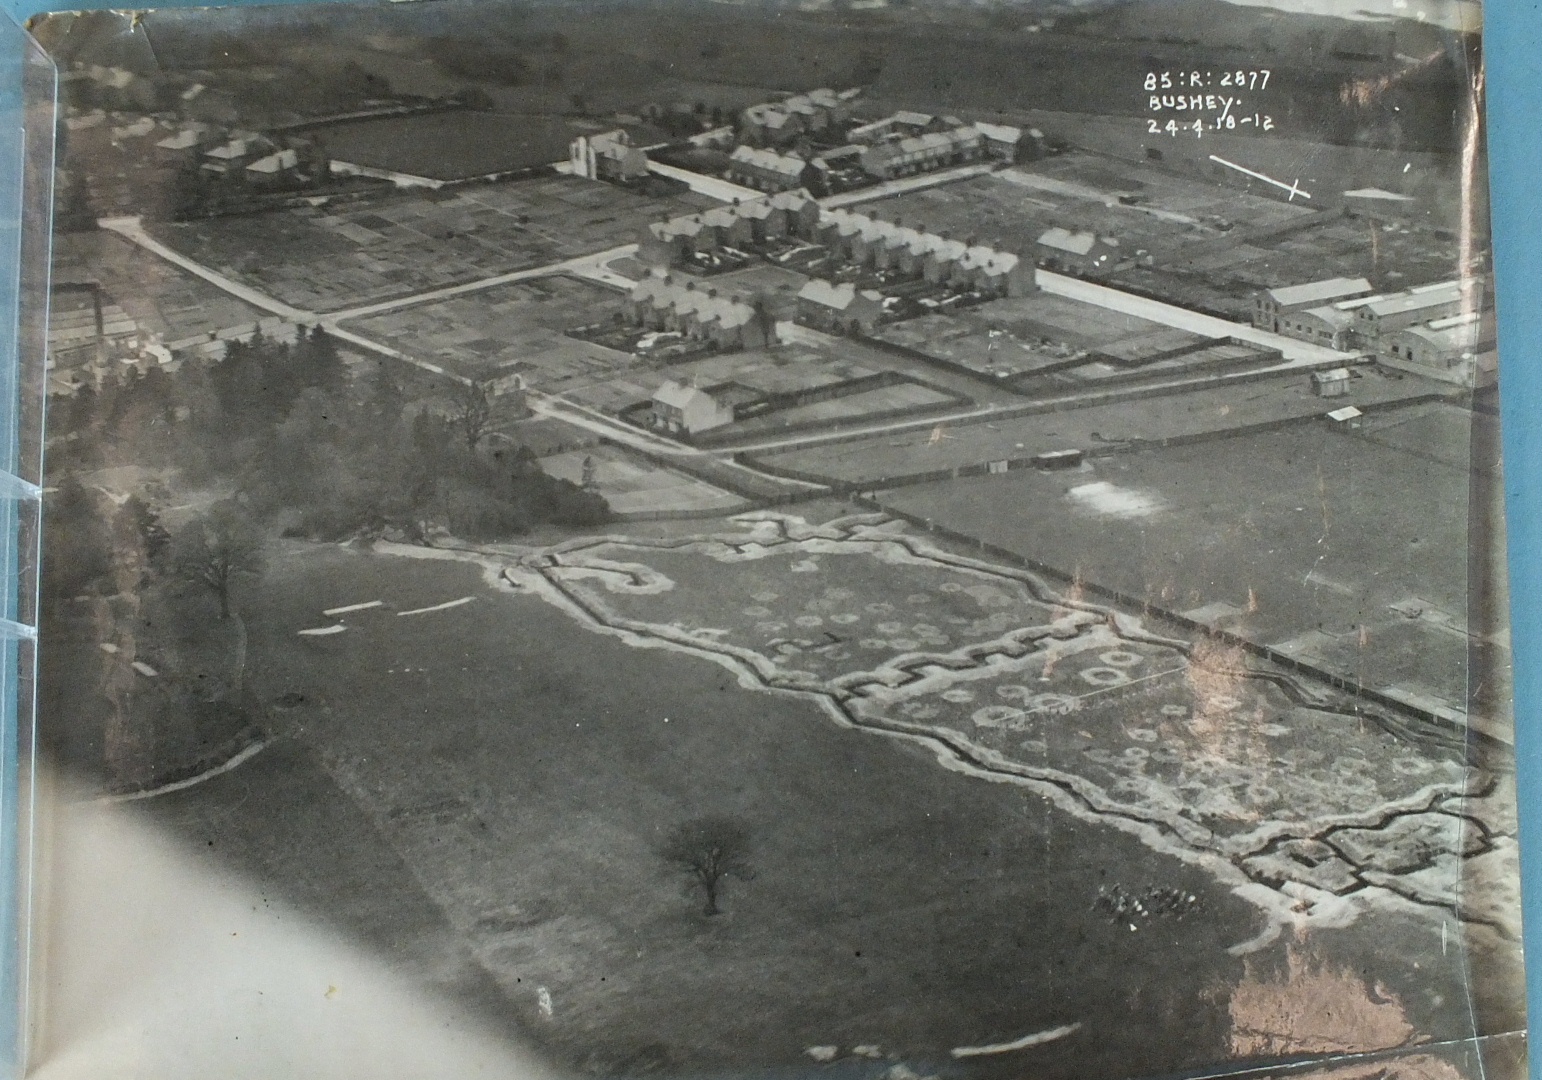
(305, 447)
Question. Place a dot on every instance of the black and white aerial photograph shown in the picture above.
(782, 539)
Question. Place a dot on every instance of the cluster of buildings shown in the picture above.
(1442, 329)
(907, 142)
(660, 302)
(255, 155)
(871, 241)
(218, 150)
(810, 115)
(786, 215)
(609, 156)
(859, 239)
(776, 138)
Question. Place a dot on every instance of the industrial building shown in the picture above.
(1271, 305)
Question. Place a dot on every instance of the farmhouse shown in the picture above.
(234, 151)
(839, 309)
(766, 170)
(1077, 252)
(686, 409)
(1271, 304)
(188, 138)
(610, 156)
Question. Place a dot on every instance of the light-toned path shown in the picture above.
(591, 266)
(132, 229)
(906, 184)
(1183, 319)
(711, 186)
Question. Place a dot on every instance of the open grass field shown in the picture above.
(1022, 335)
(501, 776)
(506, 329)
(1334, 547)
(1093, 428)
(452, 145)
(905, 397)
(328, 258)
(633, 485)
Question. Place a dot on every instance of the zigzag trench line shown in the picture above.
(551, 571)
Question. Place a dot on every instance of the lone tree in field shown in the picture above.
(211, 550)
(710, 849)
(472, 412)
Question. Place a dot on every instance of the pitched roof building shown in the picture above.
(607, 156)
(1456, 348)
(922, 153)
(765, 170)
(684, 408)
(1077, 252)
(839, 308)
(660, 302)
(786, 213)
(1271, 304)
(1001, 140)
(777, 123)
(892, 245)
(1414, 306)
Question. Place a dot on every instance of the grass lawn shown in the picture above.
(1325, 529)
(480, 791)
(451, 145)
